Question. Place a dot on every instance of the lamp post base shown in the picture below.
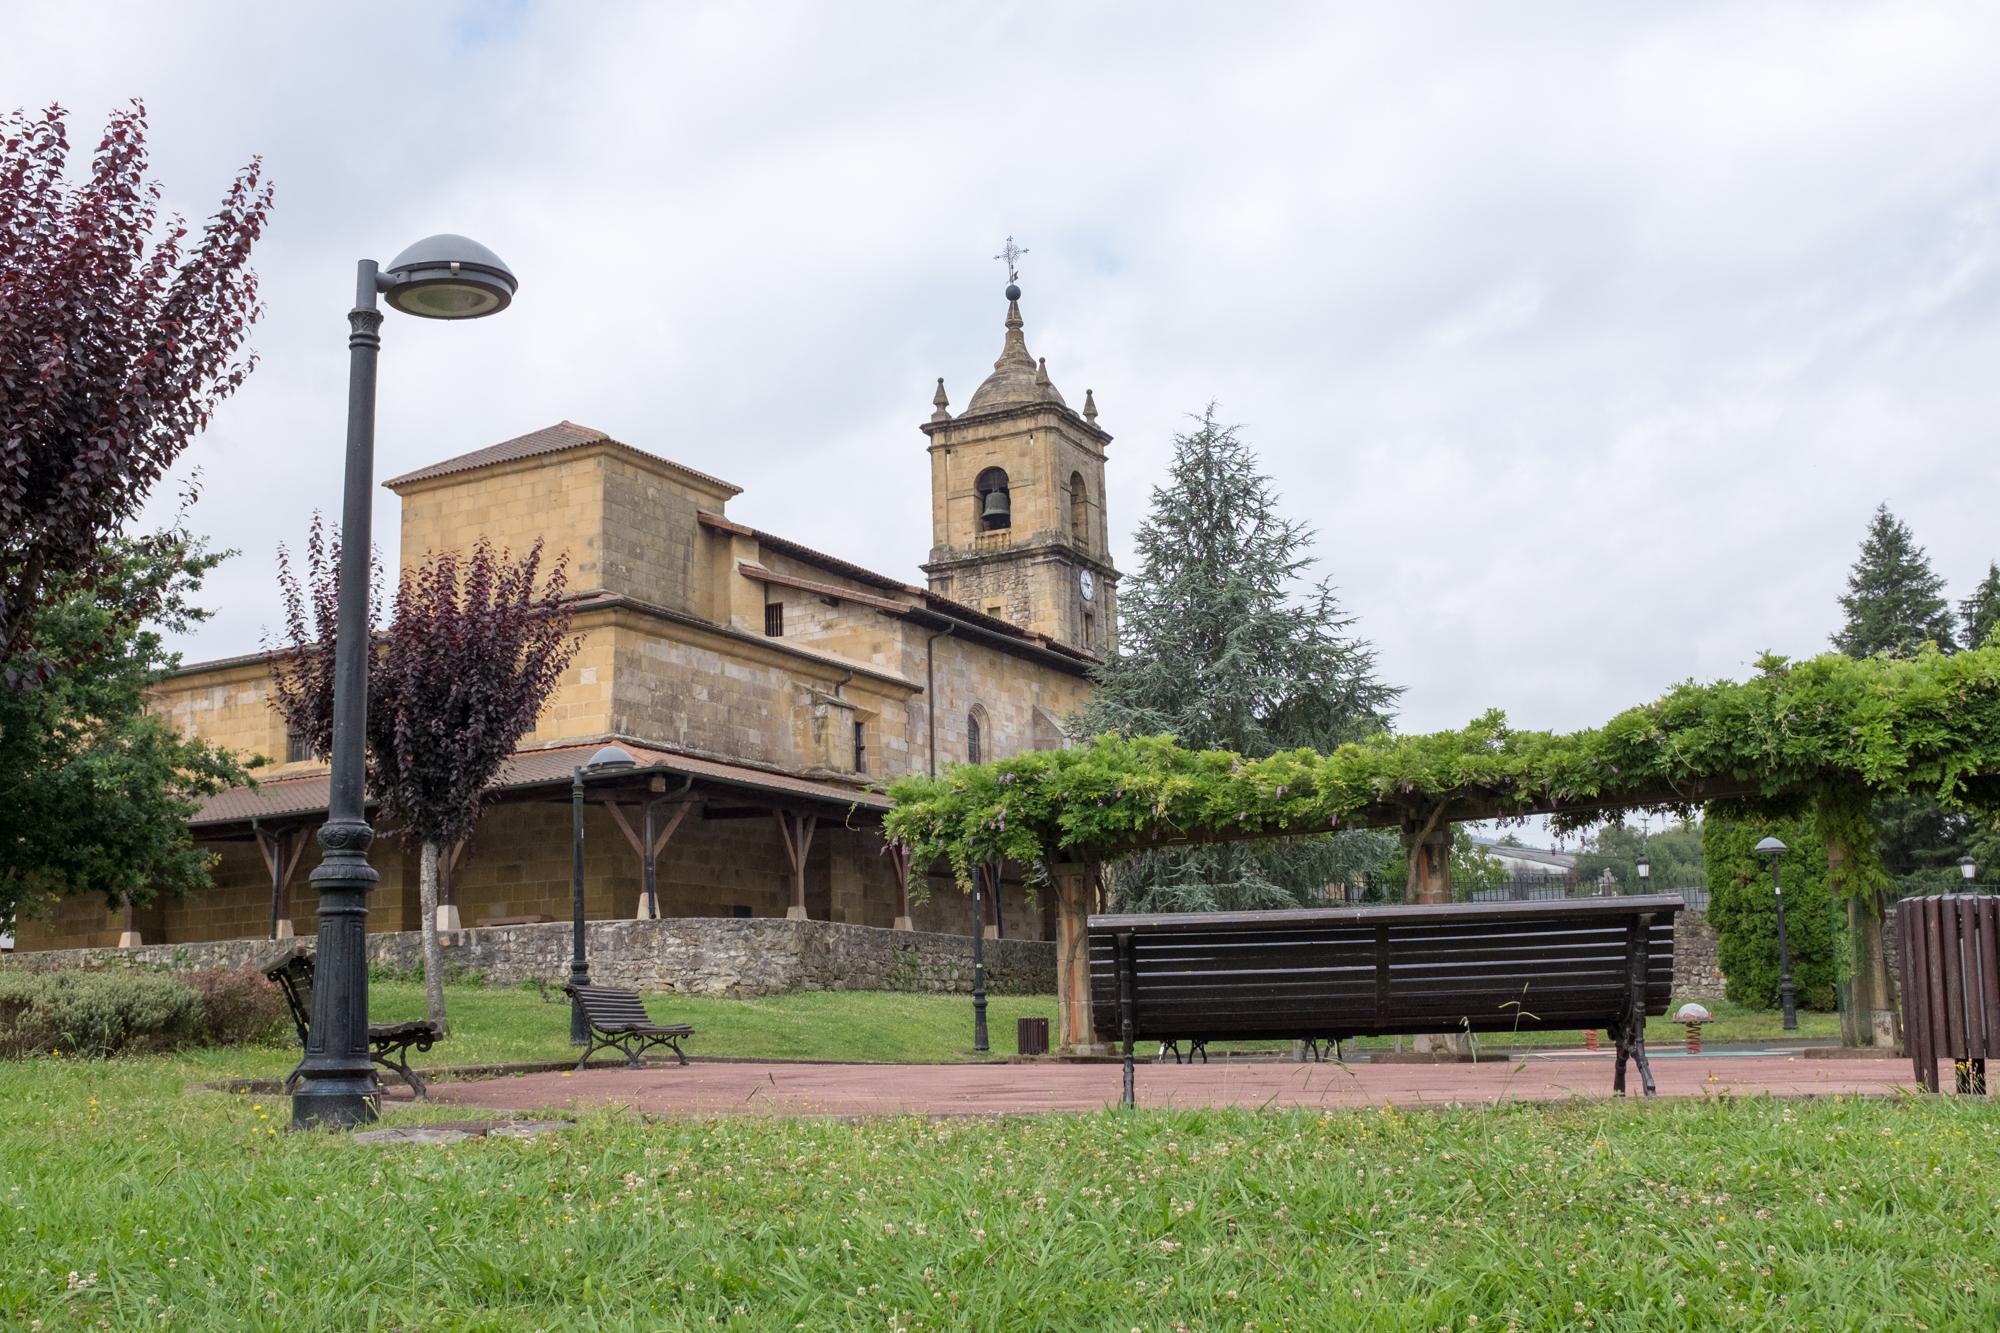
(338, 1102)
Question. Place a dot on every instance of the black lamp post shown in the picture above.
(610, 759)
(441, 277)
(979, 1041)
(1774, 849)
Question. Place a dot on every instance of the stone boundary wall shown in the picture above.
(1697, 974)
(698, 955)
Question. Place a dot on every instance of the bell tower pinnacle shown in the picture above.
(1017, 498)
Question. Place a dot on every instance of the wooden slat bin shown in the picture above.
(1950, 969)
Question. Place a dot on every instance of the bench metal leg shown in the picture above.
(1624, 1050)
(399, 1061)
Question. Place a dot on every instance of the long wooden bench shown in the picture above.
(618, 1021)
(1324, 975)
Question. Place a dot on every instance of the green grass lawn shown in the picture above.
(128, 1203)
(494, 1025)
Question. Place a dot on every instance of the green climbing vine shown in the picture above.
(1816, 735)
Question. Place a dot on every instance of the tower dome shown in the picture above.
(1017, 378)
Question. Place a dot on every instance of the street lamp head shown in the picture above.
(610, 759)
(1966, 868)
(1771, 847)
(1645, 867)
(448, 277)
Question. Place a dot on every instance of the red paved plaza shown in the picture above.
(729, 1087)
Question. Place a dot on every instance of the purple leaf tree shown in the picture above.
(476, 645)
(119, 336)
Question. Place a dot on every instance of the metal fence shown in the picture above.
(1527, 888)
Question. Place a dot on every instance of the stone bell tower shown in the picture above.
(1017, 502)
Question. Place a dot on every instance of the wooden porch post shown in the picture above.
(648, 845)
(128, 930)
(1076, 893)
(899, 865)
(796, 833)
(447, 907)
(281, 852)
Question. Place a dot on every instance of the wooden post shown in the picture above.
(647, 845)
(1871, 1017)
(1427, 844)
(796, 833)
(281, 852)
(1076, 889)
(448, 922)
(128, 931)
(899, 865)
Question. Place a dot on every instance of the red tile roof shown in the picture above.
(549, 440)
(286, 798)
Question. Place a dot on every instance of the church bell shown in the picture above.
(998, 512)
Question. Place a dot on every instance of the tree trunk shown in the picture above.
(1871, 1016)
(433, 952)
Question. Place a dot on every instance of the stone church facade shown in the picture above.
(766, 690)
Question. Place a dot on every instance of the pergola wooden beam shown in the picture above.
(281, 850)
(649, 843)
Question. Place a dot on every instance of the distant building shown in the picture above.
(1530, 862)
(766, 689)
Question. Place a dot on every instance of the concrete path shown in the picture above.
(705, 1088)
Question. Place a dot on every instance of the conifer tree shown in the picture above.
(1895, 601)
(1226, 642)
(1981, 611)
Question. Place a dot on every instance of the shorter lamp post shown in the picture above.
(1966, 869)
(1774, 849)
(610, 759)
(979, 1040)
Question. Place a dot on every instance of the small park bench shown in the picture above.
(1330, 974)
(619, 1022)
(389, 1044)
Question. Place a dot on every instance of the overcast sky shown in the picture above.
(1588, 336)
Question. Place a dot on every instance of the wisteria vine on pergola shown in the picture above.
(1822, 734)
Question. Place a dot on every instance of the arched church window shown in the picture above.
(1079, 511)
(995, 506)
(975, 735)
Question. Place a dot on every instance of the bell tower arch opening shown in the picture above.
(992, 501)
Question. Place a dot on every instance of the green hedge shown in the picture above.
(1744, 912)
(117, 1013)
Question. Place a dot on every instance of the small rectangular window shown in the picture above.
(860, 747)
(1089, 629)
(774, 619)
(297, 750)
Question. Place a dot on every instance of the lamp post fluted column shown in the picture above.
(337, 1080)
(1774, 849)
(979, 1038)
(579, 965)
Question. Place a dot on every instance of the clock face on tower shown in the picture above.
(1086, 584)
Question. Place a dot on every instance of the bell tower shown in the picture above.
(1017, 501)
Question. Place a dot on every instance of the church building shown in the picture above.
(767, 691)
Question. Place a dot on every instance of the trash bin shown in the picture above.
(1031, 1036)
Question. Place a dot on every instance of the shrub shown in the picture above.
(1745, 913)
(96, 1013)
(239, 1005)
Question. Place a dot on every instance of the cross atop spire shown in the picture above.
(1011, 254)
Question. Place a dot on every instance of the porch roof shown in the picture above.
(526, 770)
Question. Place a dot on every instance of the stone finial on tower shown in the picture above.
(939, 403)
(1042, 372)
(1089, 405)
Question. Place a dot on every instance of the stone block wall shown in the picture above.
(1697, 974)
(694, 955)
